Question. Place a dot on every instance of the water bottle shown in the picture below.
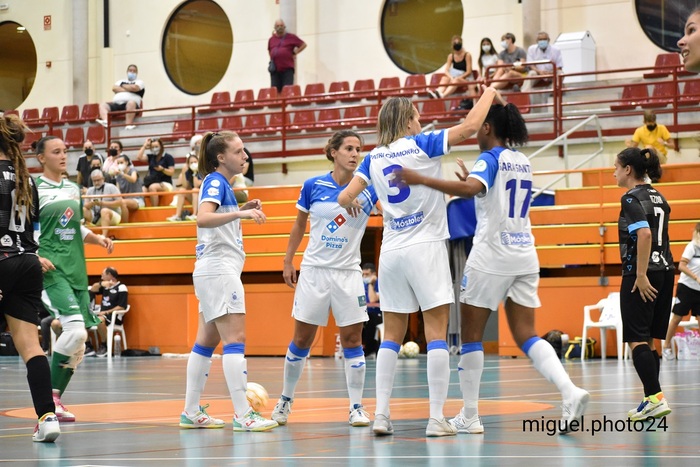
(117, 346)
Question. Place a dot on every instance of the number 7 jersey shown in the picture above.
(503, 242)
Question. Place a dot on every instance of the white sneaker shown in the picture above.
(102, 122)
(358, 416)
(130, 127)
(470, 425)
(639, 408)
(62, 414)
(382, 426)
(574, 408)
(253, 421)
(649, 409)
(282, 409)
(47, 429)
(173, 218)
(668, 354)
(200, 420)
(191, 217)
(440, 428)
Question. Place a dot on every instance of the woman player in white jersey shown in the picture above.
(330, 275)
(414, 262)
(217, 284)
(503, 263)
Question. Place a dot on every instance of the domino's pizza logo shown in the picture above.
(336, 223)
(66, 217)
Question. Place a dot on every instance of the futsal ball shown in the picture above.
(257, 396)
(410, 349)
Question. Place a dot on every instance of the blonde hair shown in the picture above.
(393, 120)
(696, 234)
(12, 131)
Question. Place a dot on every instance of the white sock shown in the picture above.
(293, 367)
(386, 367)
(438, 380)
(545, 360)
(235, 372)
(469, 370)
(355, 374)
(197, 372)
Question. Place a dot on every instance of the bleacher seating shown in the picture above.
(277, 122)
(292, 94)
(390, 86)
(70, 114)
(30, 114)
(356, 116)
(74, 137)
(182, 129)
(254, 123)
(415, 81)
(691, 93)
(208, 124)
(50, 113)
(661, 96)
(337, 87)
(267, 97)
(219, 101)
(363, 89)
(232, 123)
(303, 120)
(662, 64)
(328, 119)
(314, 92)
(96, 134)
(243, 99)
(90, 113)
(520, 100)
(632, 96)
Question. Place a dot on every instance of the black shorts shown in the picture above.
(687, 299)
(114, 107)
(644, 320)
(108, 319)
(21, 282)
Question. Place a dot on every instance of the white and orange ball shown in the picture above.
(257, 396)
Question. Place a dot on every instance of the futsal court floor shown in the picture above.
(128, 411)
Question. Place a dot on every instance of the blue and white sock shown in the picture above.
(198, 365)
(545, 360)
(355, 374)
(236, 374)
(387, 356)
(294, 363)
(438, 377)
(469, 370)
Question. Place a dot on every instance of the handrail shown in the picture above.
(564, 137)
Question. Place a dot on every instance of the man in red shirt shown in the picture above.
(283, 47)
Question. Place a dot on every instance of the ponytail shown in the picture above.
(12, 132)
(212, 145)
(644, 162)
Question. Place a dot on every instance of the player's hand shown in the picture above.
(289, 273)
(404, 176)
(107, 243)
(252, 204)
(647, 292)
(255, 214)
(46, 265)
(465, 173)
(354, 209)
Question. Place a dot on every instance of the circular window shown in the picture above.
(664, 22)
(197, 46)
(417, 34)
(18, 58)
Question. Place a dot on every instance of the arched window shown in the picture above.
(417, 34)
(663, 22)
(18, 59)
(197, 46)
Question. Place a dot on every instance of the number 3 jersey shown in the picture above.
(334, 235)
(643, 206)
(503, 242)
(412, 214)
(16, 228)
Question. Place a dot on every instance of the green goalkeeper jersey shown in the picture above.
(60, 212)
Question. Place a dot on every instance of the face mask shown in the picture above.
(89, 152)
(194, 166)
(113, 152)
(366, 280)
(279, 29)
(486, 48)
(542, 44)
(457, 46)
(131, 76)
(651, 127)
(155, 149)
(122, 167)
(504, 44)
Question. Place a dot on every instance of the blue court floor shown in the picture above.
(128, 411)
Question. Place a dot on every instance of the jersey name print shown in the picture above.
(16, 232)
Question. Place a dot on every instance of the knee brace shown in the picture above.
(71, 342)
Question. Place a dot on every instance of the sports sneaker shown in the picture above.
(200, 420)
(253, 421)
(173, 218)
(89, 350)
(382, 425)
(470, 425)
(130, 127)
(573, 408)
(282, 409)
(191, 217)
(47, 429)
(649, 408)
(668, 354)
(102, 351)
(440, 428)
(62, 414)
(358, 416)
(102, 122)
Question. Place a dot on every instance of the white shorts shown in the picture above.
(417, 276)
(486, 290)
(319, 290)
(219, 295)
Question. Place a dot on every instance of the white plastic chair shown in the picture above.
(610, 318)
(113, 326)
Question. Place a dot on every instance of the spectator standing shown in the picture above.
(283, 47)
(128, 181)
(374, 313)
(652, 135)
(85, 164)
(161, 167)
(514, 56)
(128, 95)
(105, 211)
(115, 297)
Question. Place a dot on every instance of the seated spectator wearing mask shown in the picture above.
(105, 211)
(128, 181)
(652, 136)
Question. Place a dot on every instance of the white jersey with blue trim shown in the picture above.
(219, 249)
(412, 214)
(503, 242)
(334, 235)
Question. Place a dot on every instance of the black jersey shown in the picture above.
(16, 229)
(643, 206)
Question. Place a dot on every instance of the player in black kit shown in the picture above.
(647, 272)
(21, 277)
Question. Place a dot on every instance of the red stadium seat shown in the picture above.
(663, 64)
(208, 124)
(30, 114)
(57, 132)
(632, 96)
(292, 95)
(433, 109)
(329, 118)
(254, 123)
(414, 84)
(355, 116)
(232, 123)
(276, 123)
(390, 86)
(338, 87)
(74, 137)
(50, 113)
(267, 97)
(11, 112)
(96, 134)
(244, 99)
(29, 138)
(363, 89)
(91, 112)
(182, 129)
(314, 92)
(661, 95)
(691, 93)
(435, 79)
(303, 120)
(520, 100)
(70, 114)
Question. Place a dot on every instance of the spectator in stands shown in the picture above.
(487, 57)
(652, 136)
(369, 331)
(510, 55)
(542, 51)
(687, 290)
(115, 296)
(690, 42)
(195, 143)
(161, 167)
(109, 167)
(190, 179)
(105, 211)
(128, 95)
(283, 47)
(458, 71)
(85, 164)
(128, 181)
(248, 173)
